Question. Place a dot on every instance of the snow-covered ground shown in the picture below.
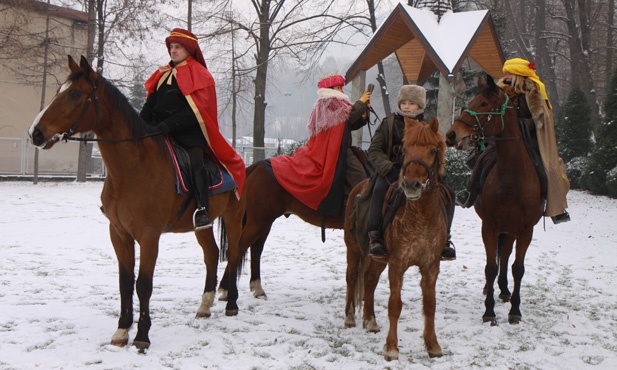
(59, 299)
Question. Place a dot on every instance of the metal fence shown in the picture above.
(17, 159)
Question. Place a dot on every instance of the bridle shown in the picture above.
(478, 127)
(432, 170)
(67, 135)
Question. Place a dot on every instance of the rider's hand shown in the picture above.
(366, 98)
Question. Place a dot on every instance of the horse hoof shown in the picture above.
(514, 319)
(119, 342)
(350, 322)
(201, 315)
(141, 346)
(391, 356)
(505, 297)
(492, 320)
(435, 355)
(231, 312)
(120, 338)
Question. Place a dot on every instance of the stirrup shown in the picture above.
(564, 217)
(201, 219)
(448, 253)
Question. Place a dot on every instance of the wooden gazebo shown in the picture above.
(424, 42)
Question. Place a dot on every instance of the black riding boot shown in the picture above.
(376, 248)
(201, 217)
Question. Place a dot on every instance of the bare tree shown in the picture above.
(283, 30)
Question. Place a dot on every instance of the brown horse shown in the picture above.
(510, 203)
(266, 200)
(139, 196)
(415, 237)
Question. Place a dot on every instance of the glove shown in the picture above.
(366, 98)
(163, 127)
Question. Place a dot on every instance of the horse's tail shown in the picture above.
(358, 294)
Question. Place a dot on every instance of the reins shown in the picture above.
(66, 136)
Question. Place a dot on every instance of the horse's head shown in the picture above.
(73, 109)
(484, 116)
(425, 152)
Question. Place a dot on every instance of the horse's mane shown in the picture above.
(137, 126)
(420, 133)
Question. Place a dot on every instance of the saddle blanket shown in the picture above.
(220, 179)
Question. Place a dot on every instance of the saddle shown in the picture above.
(220, 179)
(395, 199)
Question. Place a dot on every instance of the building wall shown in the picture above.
(23, 27)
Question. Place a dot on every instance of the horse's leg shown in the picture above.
(429, 304)
(124, 246)
(148, 253)
(518, 270)
(395, 305)
(256, 249)
(255, 284)
(205, 238)
(505, 250)
(371, 279)
(354, 258)
(490, 272)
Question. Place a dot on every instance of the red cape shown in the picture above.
(308, 174)
(197, 85)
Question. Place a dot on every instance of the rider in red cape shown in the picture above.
(319, 173)
(193, 120)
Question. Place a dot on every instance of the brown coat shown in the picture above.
(558, 183)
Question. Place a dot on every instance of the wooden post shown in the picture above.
(358, 85)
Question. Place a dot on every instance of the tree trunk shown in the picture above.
(610, 24)
(579, 57)
(545, 66)
(263, 54)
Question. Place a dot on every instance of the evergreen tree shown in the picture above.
(573, 127)
(601, 175)
(137, 93)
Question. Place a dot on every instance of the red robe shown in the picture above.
(197, 85)
(308, 174)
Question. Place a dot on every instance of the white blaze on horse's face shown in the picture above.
(63, 88)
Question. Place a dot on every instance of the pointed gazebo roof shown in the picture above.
(422, 43)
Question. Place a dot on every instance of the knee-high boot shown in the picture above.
(201, 217)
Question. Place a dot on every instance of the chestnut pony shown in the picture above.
(509, 204)
(139, 194)
(415, 237)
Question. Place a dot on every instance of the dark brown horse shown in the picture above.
(266, 200)
(510, 203)
(415, 237)
(139, 196)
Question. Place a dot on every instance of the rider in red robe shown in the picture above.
(316, 173)
(182, 103)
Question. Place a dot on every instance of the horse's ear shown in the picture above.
(72, 64)
(434, 124)
(85, 67)
(491, 82)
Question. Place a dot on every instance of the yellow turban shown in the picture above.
(522, 67)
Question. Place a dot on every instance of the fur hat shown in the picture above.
(413, 93)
